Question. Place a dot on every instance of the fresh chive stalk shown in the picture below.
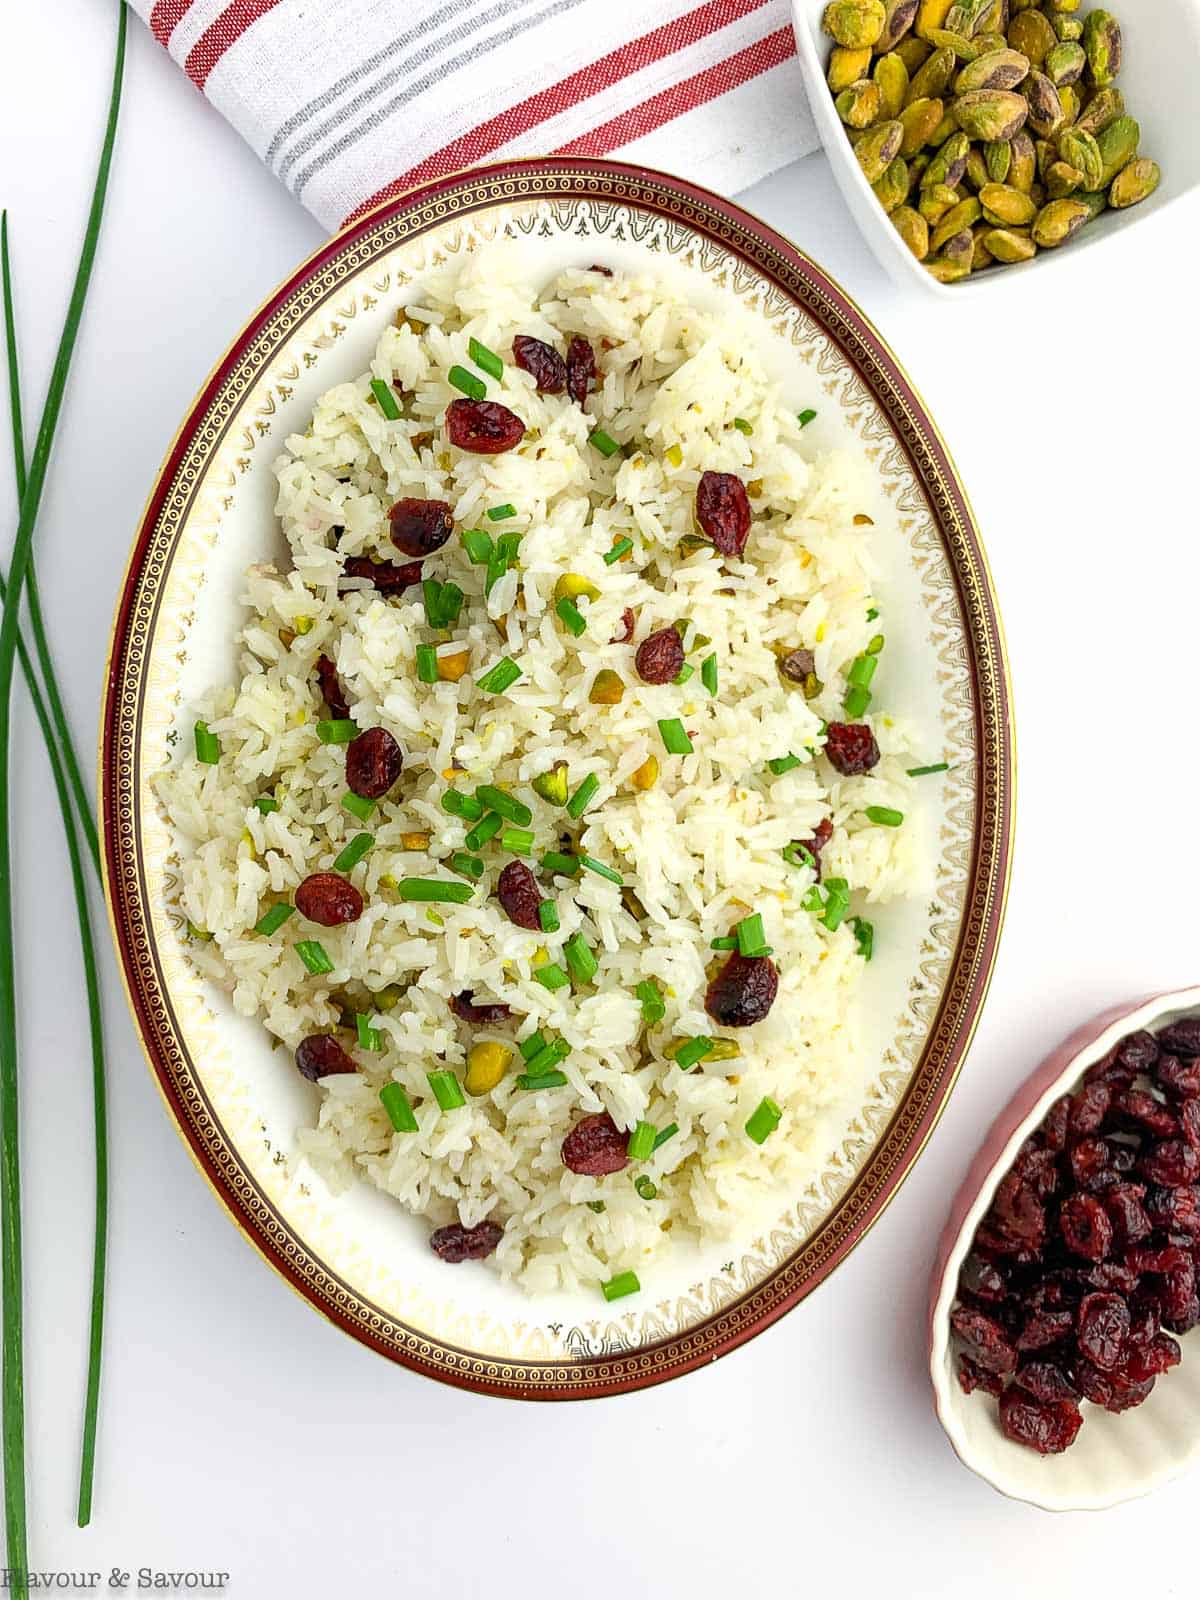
(693, 1051)
(726, 942)
(646, 1187)
(669, 1132)
(501, 513)
(686, 671)
(470, 866)
(486, 360)
(333, 730)
(653, 1006)
(751, 940)
(782, 764)
(272, 920)
(387, 400)
(708, 674)
(548, 918)
(368, 1037)
(435, 891)
(856, 702)
(641, 1141)
(570, 616)
(462, 805)
(447, 1090)
(427, 670)
(583, 796)
(837, 902)
(601, 871)
(357, 805)
(353, 852)
(764, 1119)
(313, 954)
(398, 1107)
(556, 861)
(621, 548)
(551, 976)
(885, 816)
(265, 804)
(549, 1056)
(864, 936)
(504, 804)
(500, 677)
(580, 959)
(806, 416)
(927, 772)
(466, 383)
(530, 1047)
(518, 841)
(604, 442)
(674, 737)
(625, 1283)
(541, 1080)
(477, 544)
(486, 828)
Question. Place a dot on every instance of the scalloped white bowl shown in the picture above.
(1115, 1458)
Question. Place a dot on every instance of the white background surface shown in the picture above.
(241, 1432)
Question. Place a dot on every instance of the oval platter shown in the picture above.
(356, 1256)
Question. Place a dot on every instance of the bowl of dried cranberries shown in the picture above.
(1064, 1296)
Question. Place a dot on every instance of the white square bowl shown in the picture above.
(1159, 79)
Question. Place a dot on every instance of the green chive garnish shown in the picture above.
(504, 805)
(387, 400)
(556, 861)
(469, 866)
(312, 953)
(267, 803)
(604, 442)
(398, 1107)
(548, 919)
(856, 702)
(435, 889)
(357, 805)
(431, 594)
(337, 730)
(600, 869)
(813, 899)
(501, 513)
(467, 383)
(531, 1047)
(799, 855)
(742, 425)
(641, 1141)
(551, 976)
(486, 360)
(653, 1006)
(450, 604)
(862, 670)
(477, 544)
(806, 417)
(872, 613)
(368, 1037)
(764, 1119)
(686, 671)
(669, 1132)
(500, 677)
(708, 674)
(693, 1052)
(462, 805)
(541, 1080)
(674, 737)
(596, 1205)
(427, 670)
(727, 942)
(624, 1283)
(353, 853)
(271, 921)
(517, 840)
(782, 764)
(875, 644)
(582, 798)
(621, 548)
(837, 902)
(580, 959)
(884, 816)
(497, 566)
(751, 939)
(208, 746)
(549, 1056)
(926, 772)
(646, 1187)
(447, 1090)
(487, 828)
(864, 936)
(570, 616)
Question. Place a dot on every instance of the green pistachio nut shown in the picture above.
(1045, 108)
(981, 256)
(1065, 64)
(892, 77)
(964, 49)
(1065, 27)
(920, 119)
(860, 104)
(949, 162)
(846, 67)
(1082, 151)
(966, 16)
(1023, 169)
(1057, 221)
(997, 158)
(931, 80)
(913, 229)
(892, 189)
(944, 129)
(991, 113)
(999, 69)
(960, 218)
(1008, 245)
(913, 52)
(854, 23)
(1068, 98)
(916, 170)
(931, 14)
(1104, 107)
(1103, 47)
(1032, 35)
(1005, 207)
(947, 271)
(1062, 180)
(899, 16)
(1134, 183)
(959, 246)
(936, 201)
(1118, 145)
(976, 174)
(1065, 5)
(1096, 201)
(994, 18)
(878, 148)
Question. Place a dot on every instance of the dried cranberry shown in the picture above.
(1054, 1129)
(1159, 1259)
(987, 1343)
(625, 632)
(485, 1015)
(1123, 1202)
(1044, 1328)
(982, 1278)
(1088, 1159)
(595, 1146)
(329, 899)
(1176, 1077)
(1153, 1359)
(320, 1056)
(386, 577)
(331, 689)
(373, 763)
(483, 426)
(1138, 1107)
(723, 511)
(581, 369)
(972, 1377)
(1176, 1210)
(1112, 1276)
(1172, 1163)
(1124, 1393)
(1092, 1384)
(1044, 1381)
(1143, 1323)
(1177, 1297)
(743, 991)
(1182, 1037)
(1090, 1107)
(821, 836)
(1085, 1227)
(1189, 1122)
(659, 658)
(543, 363)
(1049, 1427)
(797, 665)
(1038, 1167)
(419, 527)
(1018, 1211)
(1103, 1330)
(605, 272)
(851, 748)
(518, 893)
(456, 1243)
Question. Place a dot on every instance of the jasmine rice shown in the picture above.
(752, 825)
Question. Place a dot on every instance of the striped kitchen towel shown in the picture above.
(353, 101)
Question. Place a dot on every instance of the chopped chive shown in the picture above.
(669, 1132)
(450, 604)
(486, 360)
(693, 1052)
(582, 798)
(435, 889)
(782, 764)
(551, 976)
(556, 861)
(337, 730)
(208, 746)
(504, 804)
(541, 1080)
(467, 383)
(271, 921)
(837, 902)
(398, 1107)
(580, 959)
(508, 545)
(621, 548)
(604, 442)
(926, 772)
(549, 1056)
(570, 616)
(862, 670)
(872, 613)
(353, 852)
(875, 644)
(646, 1187)
(624, 1283)
(532, 1046)
(468, 865)
(600, 869)
(487, 828)
(431, 593)
(727, 942)
(750, 936)
(708, 674)
(477, 544)
(368, 1037)
(641, 1141)
(742, 425)
(447, 1090)
(357, 805)
(267, 803)
(764, 1119)
(517, 840)
(799, 855)
(686, 671)
(501, 513)
(462, 805)
(806, 416)
(884, 816)
(497, 566)
(596, 1205)
(312, 953)
(427, 670)
(500, 677)
(674, 737)
(857, 700)
(864, 936)
(653, 1006)
(548, 919)
(813, 900)
(387, 400)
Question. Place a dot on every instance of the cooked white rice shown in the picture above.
(699, 848)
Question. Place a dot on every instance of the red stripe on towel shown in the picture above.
(220, 35)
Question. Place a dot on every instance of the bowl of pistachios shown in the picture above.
(973, 135)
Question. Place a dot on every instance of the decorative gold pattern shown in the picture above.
(794, 298)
